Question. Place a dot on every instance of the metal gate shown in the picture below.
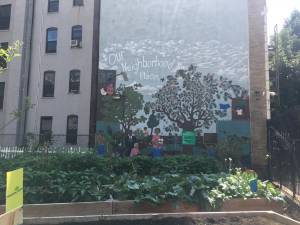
(284, 160)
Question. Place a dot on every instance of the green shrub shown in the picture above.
(237, 185)
(142, 166)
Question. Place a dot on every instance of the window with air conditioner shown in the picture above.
(76, 38)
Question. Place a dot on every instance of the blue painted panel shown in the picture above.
(235, 127)
(103, 126)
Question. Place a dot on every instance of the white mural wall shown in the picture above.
(152, 39)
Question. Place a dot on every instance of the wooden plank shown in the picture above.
(66, 209)
(129, 207)
(130, 218)
(12, 218)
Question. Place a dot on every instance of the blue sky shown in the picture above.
(278, 11)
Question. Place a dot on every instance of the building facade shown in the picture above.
(76, 52)
(57, 51)
(12, 29)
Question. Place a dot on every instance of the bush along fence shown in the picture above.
(284, 160)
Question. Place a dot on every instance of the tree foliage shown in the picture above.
(288, 62)
(125, 109)
(289, 73)
(189, 98)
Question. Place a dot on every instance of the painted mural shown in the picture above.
(174, 68)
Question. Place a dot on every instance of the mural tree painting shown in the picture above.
(189, 98)
(124, 107)
(153, 120)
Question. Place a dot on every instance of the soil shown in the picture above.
(190, 221)
(292, 209)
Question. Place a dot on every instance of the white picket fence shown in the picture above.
(12, 151)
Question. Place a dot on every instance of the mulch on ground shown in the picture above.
(189, 221)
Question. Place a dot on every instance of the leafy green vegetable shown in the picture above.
(82, 178)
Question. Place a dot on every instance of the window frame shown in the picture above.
(45, 135)
(74, 83)
(45, 88)
(75, 3)
(2, 18)
(50, 10)
(2, 84)
(73, 36)
(72, 134)
(48, 42)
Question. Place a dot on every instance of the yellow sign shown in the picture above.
(14, 190)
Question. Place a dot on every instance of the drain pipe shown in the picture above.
(25, 71)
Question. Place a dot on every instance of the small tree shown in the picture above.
(188, 98)
(7, 55)
(16, 115)
(125, 108)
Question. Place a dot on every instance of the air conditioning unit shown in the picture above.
(75, 44)
(74, 91)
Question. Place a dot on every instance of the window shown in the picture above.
(74, 82)
(5, 11)
(72, 129)
(51, 42)
(3, 63)
(49, 83)
(2, 87)
(76, 36)
(46, 129)
(77, 2)
(53, 5)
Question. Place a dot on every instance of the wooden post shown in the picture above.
(12, 218)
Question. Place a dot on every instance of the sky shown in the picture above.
(278, 11)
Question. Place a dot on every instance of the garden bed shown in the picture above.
(223, 218)
(130, 207)
(86, 178)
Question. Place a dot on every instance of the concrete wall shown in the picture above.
(66, 59)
